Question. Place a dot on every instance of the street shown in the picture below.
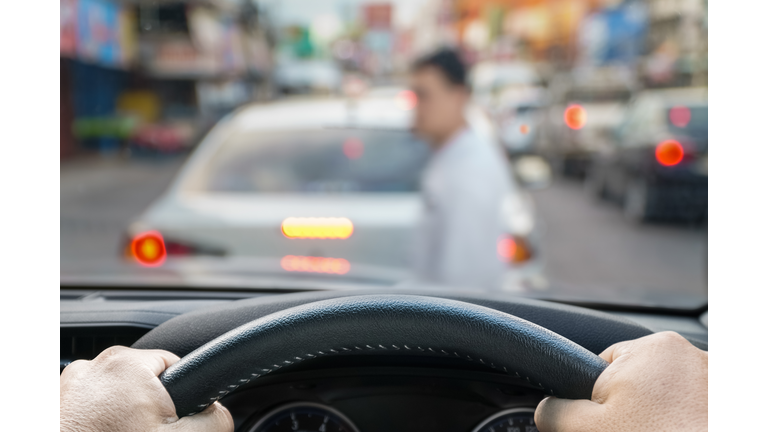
(588, 246)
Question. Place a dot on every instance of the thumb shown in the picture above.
(565, 415)
(215, 418)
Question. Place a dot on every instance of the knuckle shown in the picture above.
(75, 367)
(670, 337)
(111, 354)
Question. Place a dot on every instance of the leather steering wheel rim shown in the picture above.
(382, 324)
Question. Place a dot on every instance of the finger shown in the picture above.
(565, 415)
(615, 351)
(215, 418)
(159, 360)
(155, 360)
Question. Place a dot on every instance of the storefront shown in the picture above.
(97, 51)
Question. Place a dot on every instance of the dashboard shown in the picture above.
(348, 393)
(368, 399)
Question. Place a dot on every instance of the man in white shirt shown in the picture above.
(463, 186)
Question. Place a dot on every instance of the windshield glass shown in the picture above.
(311, 144)
(318, 161)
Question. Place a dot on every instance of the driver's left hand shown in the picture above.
(119, 391)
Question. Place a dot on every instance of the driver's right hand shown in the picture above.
(658, 382)
(119, 391)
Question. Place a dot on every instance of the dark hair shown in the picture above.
(448, 62)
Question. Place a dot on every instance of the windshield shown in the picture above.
(308, 144)
(318, 161)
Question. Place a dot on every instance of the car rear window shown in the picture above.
(322, 161)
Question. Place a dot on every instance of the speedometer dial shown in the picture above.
(511, 420)
(304, 417)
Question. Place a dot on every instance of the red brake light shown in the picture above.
(575, 117)
(669, 153)
(149, 249)
(680, 116)
(513, 250)
(353, 148)
(506, 247)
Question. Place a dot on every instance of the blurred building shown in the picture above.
(677, 44)
(97, 50)
(658, 42)
(156, 74)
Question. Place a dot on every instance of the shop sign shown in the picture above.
(98, 32)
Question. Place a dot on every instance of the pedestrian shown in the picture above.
(463, 185)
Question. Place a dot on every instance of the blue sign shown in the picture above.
(615, 34)
(98, 32)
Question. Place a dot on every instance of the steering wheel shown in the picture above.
(382, 324)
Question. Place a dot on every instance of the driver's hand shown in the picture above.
(658, 382)
(119, 391)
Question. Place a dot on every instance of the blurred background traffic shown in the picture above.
(599, 105)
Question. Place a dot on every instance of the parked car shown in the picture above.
(316, 185)
(658, 165)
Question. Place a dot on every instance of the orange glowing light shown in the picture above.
(524, 129)
(315, 264)
(148, 249)
(506, 248)
(353, 148)
(575, 117)
(513, 250)
(406, 100)
(317, 228)
(669, 153)
(680, 116)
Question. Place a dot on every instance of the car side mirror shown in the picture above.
(532, 172)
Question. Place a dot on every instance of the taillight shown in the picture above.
(173, 248)
(353, 148)
(669, 153)
(511, 249)
(148, 249)
(680, 116)
(575, 117)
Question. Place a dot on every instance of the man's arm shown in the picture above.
(119, 391)
(658, 382)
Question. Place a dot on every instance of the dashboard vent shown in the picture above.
(85, 343)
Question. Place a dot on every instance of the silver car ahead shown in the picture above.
(321, 186)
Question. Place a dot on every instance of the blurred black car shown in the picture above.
(582, 111)
(657, 166)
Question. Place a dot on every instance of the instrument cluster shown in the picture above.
(314, 417)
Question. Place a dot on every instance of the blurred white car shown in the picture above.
(319, 186)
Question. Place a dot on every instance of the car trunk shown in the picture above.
(248, 225)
